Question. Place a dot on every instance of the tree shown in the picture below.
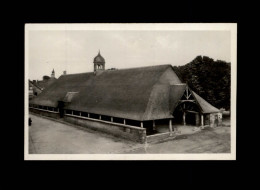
(208, 78)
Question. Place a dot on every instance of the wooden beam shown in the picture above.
(189, 96)
(186, 100)
(154, 127)
(191, 111)
(184, 118)
(170, 126)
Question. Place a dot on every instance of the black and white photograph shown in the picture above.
(130, 91)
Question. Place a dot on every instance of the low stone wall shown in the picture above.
(119, 130)
(45, 112)
(159, 137)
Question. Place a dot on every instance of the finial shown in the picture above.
(99, 52)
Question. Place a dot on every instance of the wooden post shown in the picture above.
(88, 114)
(142, 125)
(100, 117)
(154, 128)
(184, 118)
(111, 119)
(202, 120)
(170, 126)
(124, 121)
(71, 112)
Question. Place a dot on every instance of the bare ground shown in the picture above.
(51, 137)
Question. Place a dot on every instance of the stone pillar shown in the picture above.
(142, 125)
(184, 118)
(202, 120)
(111, 119)
(170, 127)
(154, 127)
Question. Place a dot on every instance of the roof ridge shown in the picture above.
(164, 65)
(144, 67)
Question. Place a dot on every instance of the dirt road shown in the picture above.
(51, 137)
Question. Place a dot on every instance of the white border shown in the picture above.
(232, 27)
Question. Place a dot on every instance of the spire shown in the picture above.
(53, 74)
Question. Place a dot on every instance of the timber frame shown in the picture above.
(188, 103)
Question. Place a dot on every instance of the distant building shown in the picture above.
(46, 81)
(34, 90)
(129, 103)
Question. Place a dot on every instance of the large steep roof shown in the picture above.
(144, 93)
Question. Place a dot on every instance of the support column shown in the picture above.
(88, 114)
(170, 127)
(184, 118)
(124, 121)
(71, 112)
(202, 120)
(100, 117)
(142, 125)
(154, 127)
(197, 119)
(111, 119)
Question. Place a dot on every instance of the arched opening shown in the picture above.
(187, 113)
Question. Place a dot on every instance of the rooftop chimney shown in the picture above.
(64, 72)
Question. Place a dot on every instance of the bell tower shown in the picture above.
(99, 63)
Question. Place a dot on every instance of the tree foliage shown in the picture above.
(208, 78)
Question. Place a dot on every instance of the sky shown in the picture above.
(74, 51)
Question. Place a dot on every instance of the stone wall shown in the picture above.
(119, 130)
(45, 113)
(159, 137)
(215, 119)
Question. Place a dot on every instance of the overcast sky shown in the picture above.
(74, 51)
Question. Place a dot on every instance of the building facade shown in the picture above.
(129, 103)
